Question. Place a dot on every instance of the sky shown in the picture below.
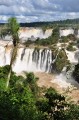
(38, 10)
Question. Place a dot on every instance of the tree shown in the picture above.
(31, 82)
(3, 76)
(19, 105)
(18, 101)
(13, 27)
(52, 105)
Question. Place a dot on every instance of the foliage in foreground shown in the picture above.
(23, 100)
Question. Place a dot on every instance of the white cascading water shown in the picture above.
(25, 33)
(31, 60)
(66, 32)
(31, 33)
(72, 56)
(65, 79)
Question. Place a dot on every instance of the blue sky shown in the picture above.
(39, 10)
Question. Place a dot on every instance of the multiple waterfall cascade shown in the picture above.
(39, 60)
(34, 60)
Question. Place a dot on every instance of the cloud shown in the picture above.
(38, 10)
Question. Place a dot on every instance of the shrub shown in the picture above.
(70, 48)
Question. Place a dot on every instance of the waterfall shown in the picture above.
(65, 79)
(73, 56)
(31, 60)
(66, 32)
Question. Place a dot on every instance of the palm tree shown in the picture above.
(13, 28)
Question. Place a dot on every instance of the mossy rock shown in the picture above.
(68, 67)
(61, 61)
(76, 73)
(37, 48)
(53, 47)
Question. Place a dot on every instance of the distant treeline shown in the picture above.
(50, 24)
(61, 23)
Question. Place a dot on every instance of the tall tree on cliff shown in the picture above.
(13, 28)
